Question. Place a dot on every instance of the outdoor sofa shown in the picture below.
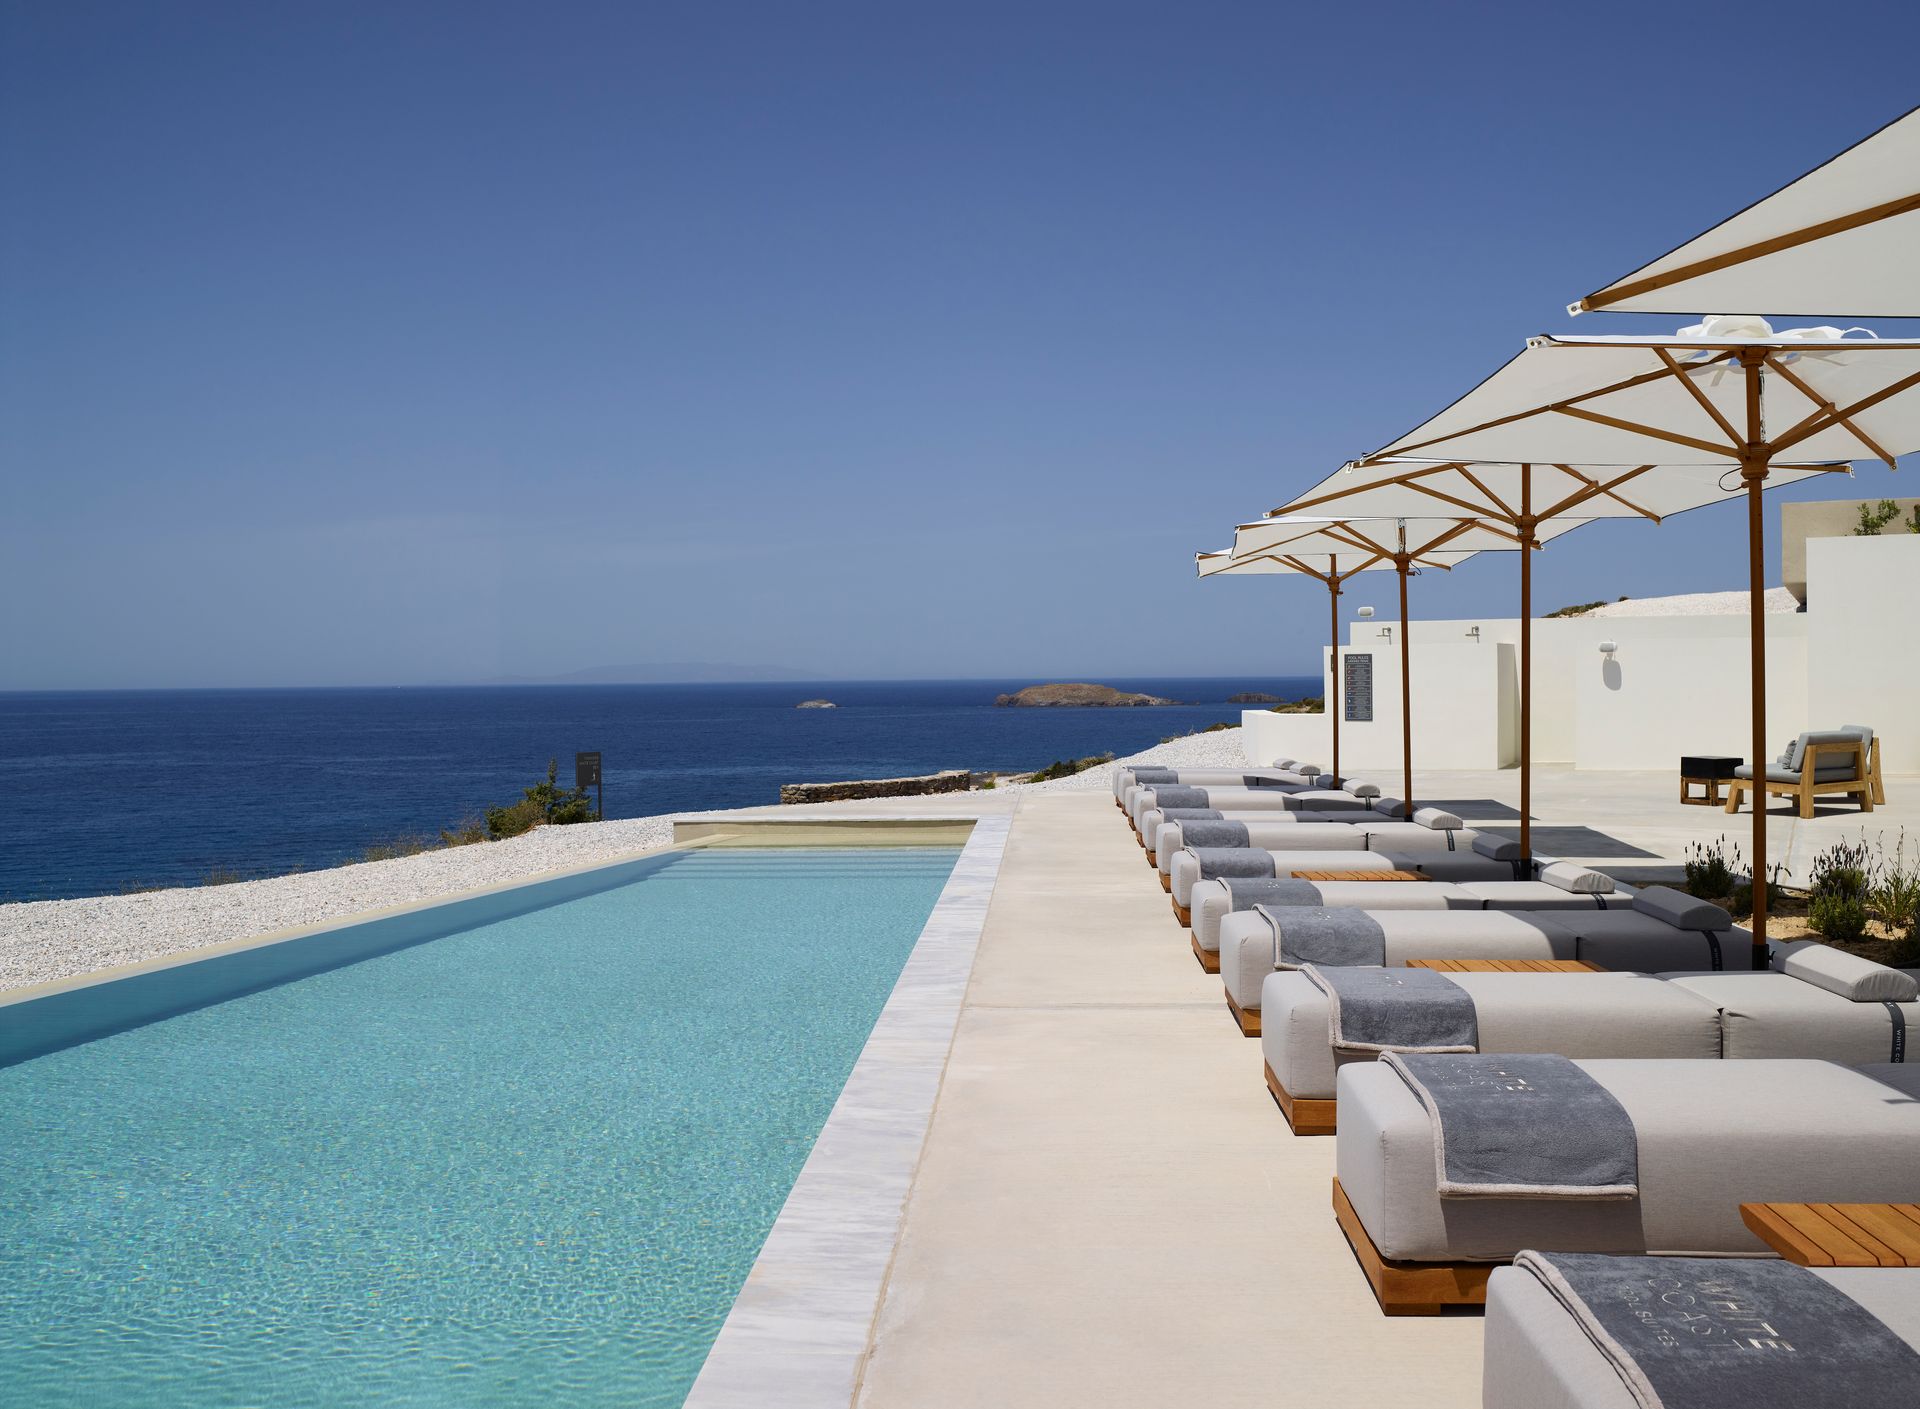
(1814, 1002)
(1820, 763)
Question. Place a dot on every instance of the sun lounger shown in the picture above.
(1709, 1136)
(1561, 886)
(1819, 763)
(1123, 778)
(1542, 1353)
(1235, 797)
(1575, 1015)
(1663, 930)
(1157, 818)
(1831, 1005)
(1428, 830)
(1444, 853)
(1383, 810)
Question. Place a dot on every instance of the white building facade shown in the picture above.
(1671, 685)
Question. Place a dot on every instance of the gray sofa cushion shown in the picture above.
(1848, 975)
(1822, 773)
(1680, 910)
(1496, 848)
(1581, 880)
(1437, 819)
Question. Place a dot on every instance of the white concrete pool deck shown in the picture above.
(1108, 1208)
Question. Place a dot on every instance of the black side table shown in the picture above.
(1708, 771)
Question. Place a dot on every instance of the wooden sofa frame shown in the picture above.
(1866, 780)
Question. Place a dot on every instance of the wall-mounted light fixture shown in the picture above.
(1607, 648)
(1364, 613)
(1473, 633)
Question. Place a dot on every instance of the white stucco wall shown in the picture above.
(1862, 667)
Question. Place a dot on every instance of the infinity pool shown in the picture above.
(527, 1162)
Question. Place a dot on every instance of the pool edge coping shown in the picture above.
(799, 1332)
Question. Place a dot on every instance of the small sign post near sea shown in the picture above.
(586, 773)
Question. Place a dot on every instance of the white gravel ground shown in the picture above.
(44, 940)
(1777, 600)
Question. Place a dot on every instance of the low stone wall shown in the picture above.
(953, 780)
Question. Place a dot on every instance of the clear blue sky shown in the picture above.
(347, 343)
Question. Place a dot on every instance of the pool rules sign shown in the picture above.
(1359, 689)
(586, 774)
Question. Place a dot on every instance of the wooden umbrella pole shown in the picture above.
(1401, 561)
(1333, 666)
(1525, 525)
(1753, 469)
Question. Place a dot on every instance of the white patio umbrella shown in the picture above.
(1315, 547)
(1839, 240)
(1658, 425)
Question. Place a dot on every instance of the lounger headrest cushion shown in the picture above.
(1283, 763)
(1358, 787)
(1581, 880)
(1389, 807)
(1310, 770)
(1495, 848)
(1849, 975)
(1438, 820)
(1681, 910)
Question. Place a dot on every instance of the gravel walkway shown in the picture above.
(44, 940)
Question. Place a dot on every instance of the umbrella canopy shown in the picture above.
(1838, 240)
(1721, 404)
(1332, 550)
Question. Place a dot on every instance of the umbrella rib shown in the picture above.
(1714, 263)
(1826, 406)
(1569, 406)
(1433, 543)
(1568, 409)
(1801, 432)
(1352, 536)
(1473, 480)
(1499, 512)
(1594, 489)
(1405, 480)
(1706, 404)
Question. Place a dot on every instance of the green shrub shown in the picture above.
(1841, 918)
(397, 847)
(1842, 870)
(1740, 900)
(1873, 519)
(465, 833)
(1308, 704)
(1710, 874)
(544, 804)
(1580, 609)
(1066, 768)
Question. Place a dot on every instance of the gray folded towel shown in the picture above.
(1190, 814)
(1165, 796)
(1517, 1126)
(1213, 834)
(1395, 1010)
(1243, 894)
(1217, 863)
(1156, 775)
(1302, 935)
(1706, 1332)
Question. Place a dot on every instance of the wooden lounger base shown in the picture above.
(1209, 959)
(1153, 860)
(1166, 881)
(1183, 915)
(1305, 1116)
(1249, 1021)
(1411, 1288)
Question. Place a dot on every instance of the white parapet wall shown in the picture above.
(1672, 685)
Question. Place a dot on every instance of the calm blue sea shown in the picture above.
(108, 791)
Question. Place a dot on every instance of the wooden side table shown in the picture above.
(1360, 876)
(1707, 771)
(1839, 1235)
(1507, 966)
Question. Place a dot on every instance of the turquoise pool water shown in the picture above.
(529, 1162)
